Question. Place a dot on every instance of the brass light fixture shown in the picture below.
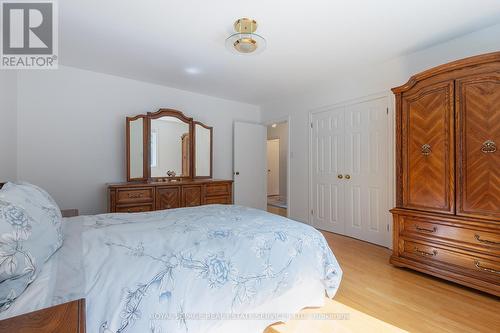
(245, 40)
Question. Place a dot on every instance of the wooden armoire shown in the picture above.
(447, 214)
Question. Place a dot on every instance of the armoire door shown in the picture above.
(428, 159)
(478, 138)
(327, 170)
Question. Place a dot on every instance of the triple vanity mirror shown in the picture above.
(167, 145)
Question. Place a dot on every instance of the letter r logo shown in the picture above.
(27, 28)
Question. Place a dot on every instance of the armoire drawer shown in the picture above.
(434, 228)
(433, 254)
(133, 195)
(135, 208)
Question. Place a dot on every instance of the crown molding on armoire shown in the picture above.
(449, 67)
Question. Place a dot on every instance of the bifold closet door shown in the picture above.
(327, 168)
(350, 175)
(366, 171)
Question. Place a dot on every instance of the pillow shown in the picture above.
(30, 232)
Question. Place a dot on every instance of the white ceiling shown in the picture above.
(180, 43)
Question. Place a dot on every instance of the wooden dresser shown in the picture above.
(136, 197)
(447, 215)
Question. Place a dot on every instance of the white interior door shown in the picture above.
(349, 170)
(250, 165)
(327, 165)
(366, 171)
(273, 167)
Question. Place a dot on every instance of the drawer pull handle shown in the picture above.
(434, 229)
(426, 149)
(424, 253)
(485, 241)
(486, 269)
(135, 195)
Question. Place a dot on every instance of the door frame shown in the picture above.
(286, 119)
(391, 153)
(279, 165)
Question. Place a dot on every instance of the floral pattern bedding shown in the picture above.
(166, 271)
(30, 232)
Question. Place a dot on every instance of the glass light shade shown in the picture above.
(245, 43)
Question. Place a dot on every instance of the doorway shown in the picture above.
(277, 168)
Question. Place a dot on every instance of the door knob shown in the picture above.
(347, 177)
(237, 173)
(340, 176)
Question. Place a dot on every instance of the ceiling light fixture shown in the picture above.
(274, 125)
(245, 40)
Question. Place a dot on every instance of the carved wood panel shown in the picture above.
(168, 197)
(428, 148)
(191, 196)
(478, 160)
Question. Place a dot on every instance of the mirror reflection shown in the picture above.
(202, 151)
(170, 147)
(136, 148)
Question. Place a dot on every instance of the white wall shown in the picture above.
(71, 137)
(356, 83)
(8, 125)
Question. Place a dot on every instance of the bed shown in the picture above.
(215, 268)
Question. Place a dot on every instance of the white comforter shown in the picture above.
(204, 269)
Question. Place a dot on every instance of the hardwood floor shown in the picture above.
(277, 210)
(373, 291)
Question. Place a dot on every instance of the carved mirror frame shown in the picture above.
(145, 149)
(211, 129)
(147, 145)
(181, 116)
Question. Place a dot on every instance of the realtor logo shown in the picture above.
(29, 35)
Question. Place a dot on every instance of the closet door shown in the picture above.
(478, 140)
(366, 171)
(350, 178)
(427, 132)
(327, 151)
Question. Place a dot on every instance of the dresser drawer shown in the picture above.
(218, 189)
(135, 208)
(486, 266)
(218, 200)
(133, 195)
(434, 228)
